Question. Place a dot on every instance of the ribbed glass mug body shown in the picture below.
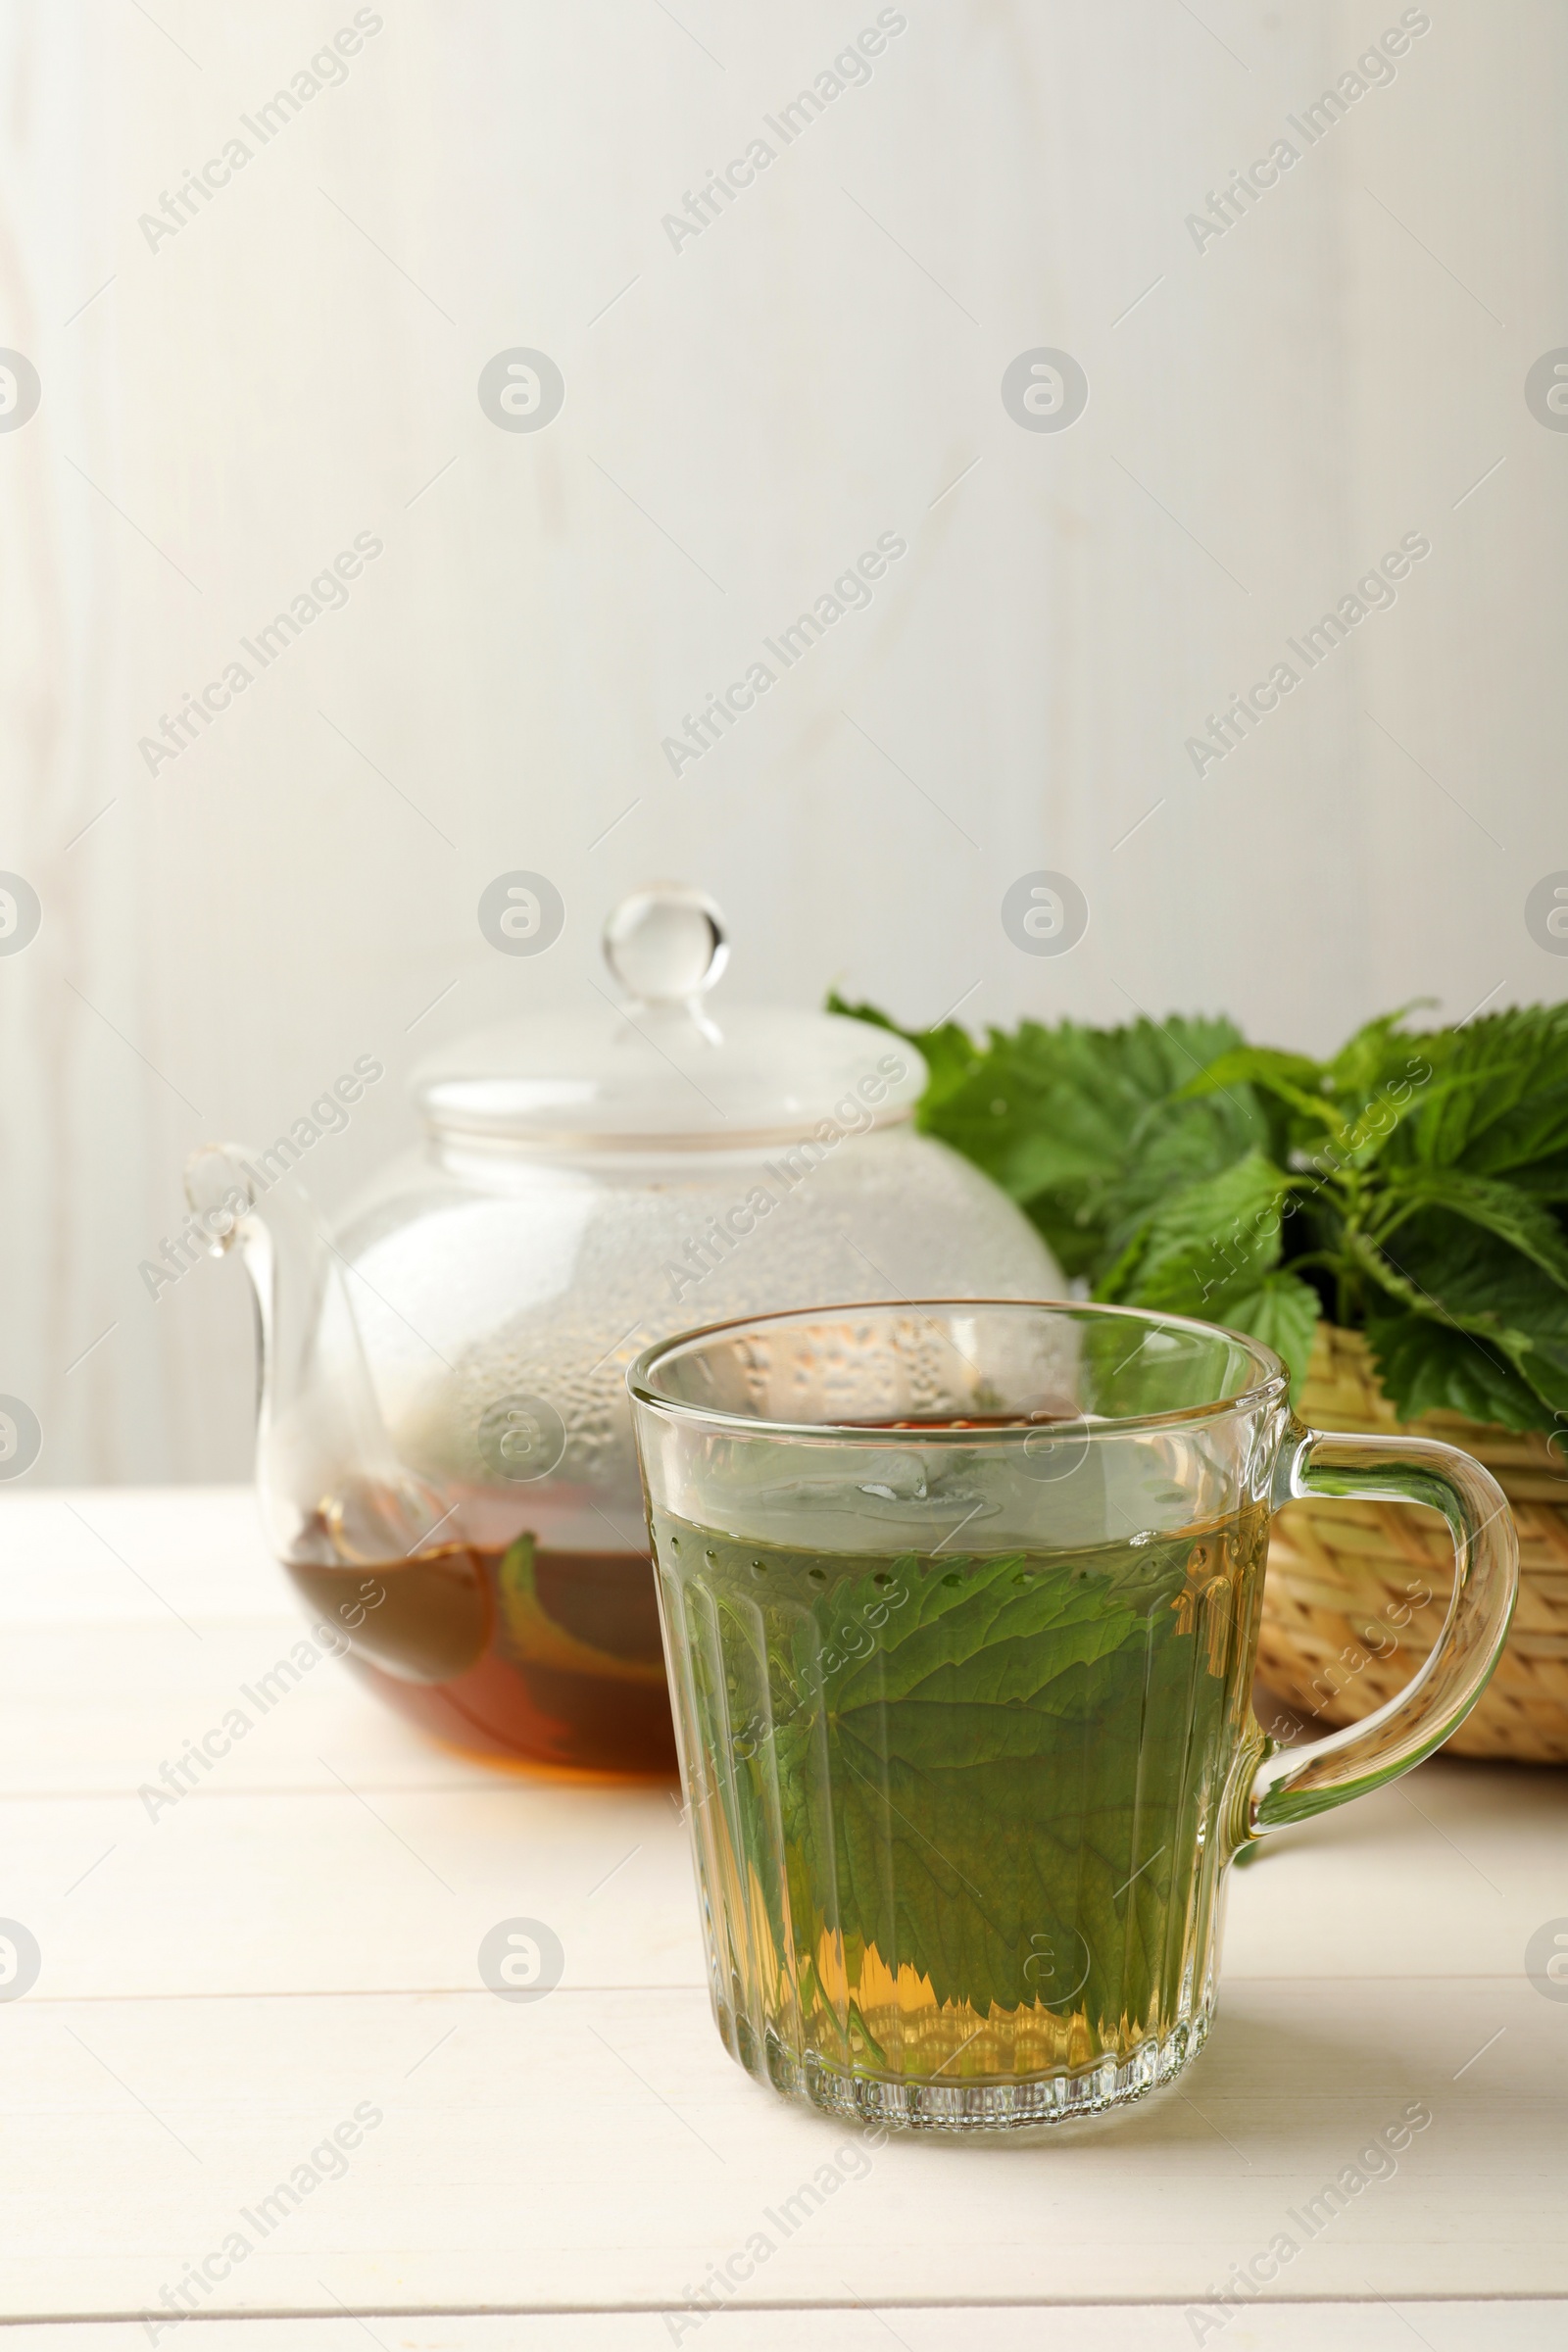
(962, 1667)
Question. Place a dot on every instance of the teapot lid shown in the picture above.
(658, 1069)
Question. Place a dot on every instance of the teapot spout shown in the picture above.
(332, 1490)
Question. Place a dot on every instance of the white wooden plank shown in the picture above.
(1454, 2327)
(334, 1891)
(118, 1554)
(1446, 1872)
(140, 1693)
(600, 2149)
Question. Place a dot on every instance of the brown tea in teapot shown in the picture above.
(542, 1656)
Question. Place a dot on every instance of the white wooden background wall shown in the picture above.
(224, 412)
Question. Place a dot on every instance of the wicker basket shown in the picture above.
(1357, 1592)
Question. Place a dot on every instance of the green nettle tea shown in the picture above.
(961, 1818)
(957, 1816)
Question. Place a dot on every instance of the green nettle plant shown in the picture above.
(1415, 1187)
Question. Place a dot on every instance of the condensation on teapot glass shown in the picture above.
(666, 945)
(444, 1442)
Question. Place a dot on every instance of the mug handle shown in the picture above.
(1291, 1784)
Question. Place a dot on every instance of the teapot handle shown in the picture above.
(1291, 1784)
(325, 1469)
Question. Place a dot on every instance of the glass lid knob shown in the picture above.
(666, 943)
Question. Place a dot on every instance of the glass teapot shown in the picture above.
(445, 1456)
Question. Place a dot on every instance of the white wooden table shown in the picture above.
(224, 1984)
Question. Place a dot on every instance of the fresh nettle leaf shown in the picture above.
(1215, 1237)
(1212, 1251)
(1332, 1115)
(1504, 1101)
(1179, 1144)
(1080, 1126)
(1292, 1078)
(1446, 1269)
(1547, 1182)
(1419, 1176)
(1282, 1311)
(1499, 1208)
(1373, 1060)
(1427, 1367)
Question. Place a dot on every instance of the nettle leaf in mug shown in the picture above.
(983, 1746)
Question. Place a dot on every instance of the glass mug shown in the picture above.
(960, 1607)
